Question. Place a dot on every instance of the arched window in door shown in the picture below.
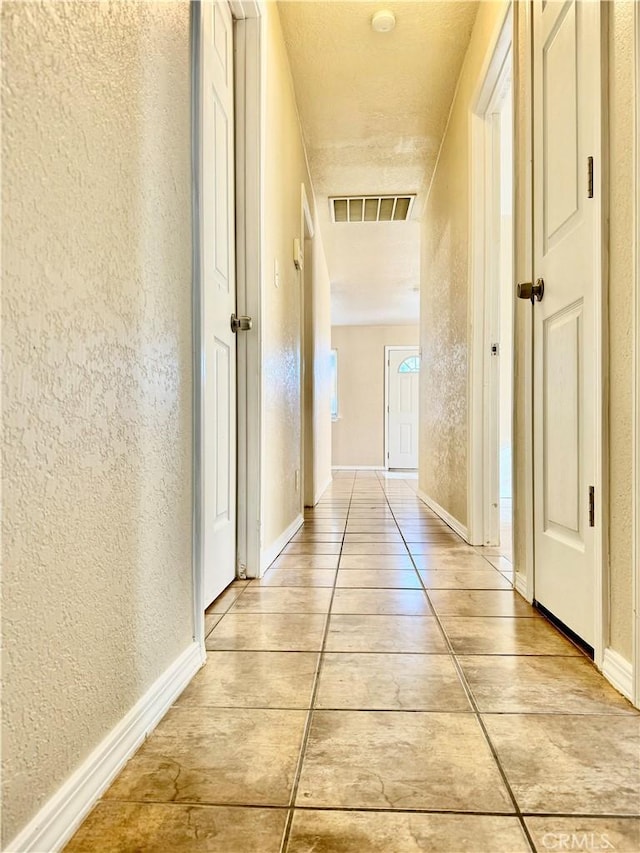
(410, 365)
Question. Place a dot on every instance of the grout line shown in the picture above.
(314, 692)
(374, 810)
(470, 696)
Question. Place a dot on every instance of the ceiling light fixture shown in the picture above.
(383, 21)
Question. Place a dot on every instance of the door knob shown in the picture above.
(241, 324)
(534, 292)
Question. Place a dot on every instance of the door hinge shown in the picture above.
(589, 177)
(592, 506)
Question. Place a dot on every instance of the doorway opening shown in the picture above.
(492, 356)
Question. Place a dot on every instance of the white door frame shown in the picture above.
(387, 350)
(307, 231)
(249, 153)
(482, 428)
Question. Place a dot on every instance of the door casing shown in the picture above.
(483, 519)
(387, 350)
(249, 37)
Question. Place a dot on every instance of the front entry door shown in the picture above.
(218, 300)
(566, 252)
(403, 366)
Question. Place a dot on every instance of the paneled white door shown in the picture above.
(403, 376)
(218, 300)
(566, 244)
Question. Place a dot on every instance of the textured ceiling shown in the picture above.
(373, 108)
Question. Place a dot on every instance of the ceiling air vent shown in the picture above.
(379, 208)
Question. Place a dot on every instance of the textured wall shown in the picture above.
(621, 289)
(358, 434)
(96, 327)
(286, 171)
(445, 295)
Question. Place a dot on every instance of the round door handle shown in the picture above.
(528, 290)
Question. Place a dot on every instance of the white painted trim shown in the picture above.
(636, 371)
(483, 520)
(358, 468)
(387, 369)
(453, 523)
(59, 818)
(601, 349)
(269, 554)
(618, 671)
(197, 569)
(250, 147)
(322, 489)
(307, 346)
(523, 494)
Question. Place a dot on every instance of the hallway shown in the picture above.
(433, 709)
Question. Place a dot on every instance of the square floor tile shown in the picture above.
(371, 538)
(283, 600)
(389, 832)
(454, 579)
(312, 548)
(454, 561)
(390, 682)
(226, 598)
(376, 561)
(278, 632)
(545, 684)
(253, 680)
(210, 622)
(396, 549)
(439, 548)
(173, 828)
(570, 764)
(402, 602)
(317, 537)
(378, 579)
(385, 634)
(296, 577)
(503, 636)
(306, 561)
(399, 760)
(477, 602)
(585, 833)
(223, 756)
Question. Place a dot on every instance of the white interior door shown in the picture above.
(566, 252)
(218, 301)
(403, 375)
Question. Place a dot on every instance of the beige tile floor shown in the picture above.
(381, 690)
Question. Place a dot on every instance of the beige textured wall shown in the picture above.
(286, 171)
(358, 434)
(444, 295)
(96, 416)
(621, 289)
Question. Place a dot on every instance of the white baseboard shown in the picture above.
(59, 818)
(619, 672)
(269, 554)
(453, 523)
(358, 468)
(322, 489)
